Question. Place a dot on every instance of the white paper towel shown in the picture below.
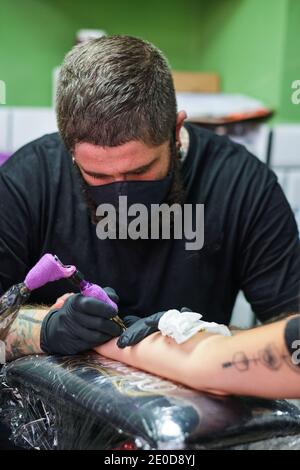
(181, 326)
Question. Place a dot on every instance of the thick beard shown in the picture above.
(176, 194)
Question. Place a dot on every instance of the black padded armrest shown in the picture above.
(90, 402)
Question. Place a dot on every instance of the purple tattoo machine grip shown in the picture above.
(50, 269)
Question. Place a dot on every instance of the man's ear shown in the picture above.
(181, 116)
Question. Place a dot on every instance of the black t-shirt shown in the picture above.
(251, 239)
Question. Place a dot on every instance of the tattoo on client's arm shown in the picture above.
(270, 357)
(24, 334)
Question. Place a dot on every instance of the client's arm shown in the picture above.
(24, 334)
(254, 362)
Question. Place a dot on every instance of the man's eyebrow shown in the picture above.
(137, 170)
(92, 173)
(143, 168)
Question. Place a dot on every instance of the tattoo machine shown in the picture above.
(48, 269)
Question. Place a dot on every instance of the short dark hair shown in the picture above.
(113, 90)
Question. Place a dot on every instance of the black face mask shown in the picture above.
(169, 189)
(142, 192)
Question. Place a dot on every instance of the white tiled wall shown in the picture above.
(255, 139)
(284, 156)
(242, 315)
(286, 145)
(285, 160)
(18, 126)
(292, 189)
(4, 129)
(29, 124)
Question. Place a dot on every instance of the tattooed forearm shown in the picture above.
(274, 355)
(24, 335)
(270, 357)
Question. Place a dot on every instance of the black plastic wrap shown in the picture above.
(90, 402)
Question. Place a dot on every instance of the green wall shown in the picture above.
(252, 44)
(36, 34)
(290, 112)
(243, 41)
(255, 47)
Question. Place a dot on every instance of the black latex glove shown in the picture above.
(139, 328)
(79, 325)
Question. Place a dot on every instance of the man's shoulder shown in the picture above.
(43, 145)
(47, 139)
(203, 141)
(212, 151)
(33, 154)
(219, 169)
